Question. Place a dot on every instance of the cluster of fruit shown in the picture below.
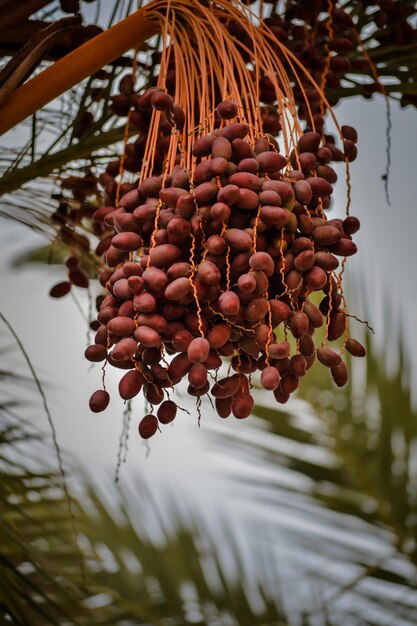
(207, 263)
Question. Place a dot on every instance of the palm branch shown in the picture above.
(332, 478)
(127, 575)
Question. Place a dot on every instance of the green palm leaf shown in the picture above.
(333, 474)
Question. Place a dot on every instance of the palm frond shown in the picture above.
(332, 476)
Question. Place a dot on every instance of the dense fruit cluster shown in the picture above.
(208, 263)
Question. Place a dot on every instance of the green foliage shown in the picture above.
(334, 520)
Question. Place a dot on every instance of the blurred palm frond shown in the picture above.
(334, 479)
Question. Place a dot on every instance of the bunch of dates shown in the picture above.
(206, 267)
